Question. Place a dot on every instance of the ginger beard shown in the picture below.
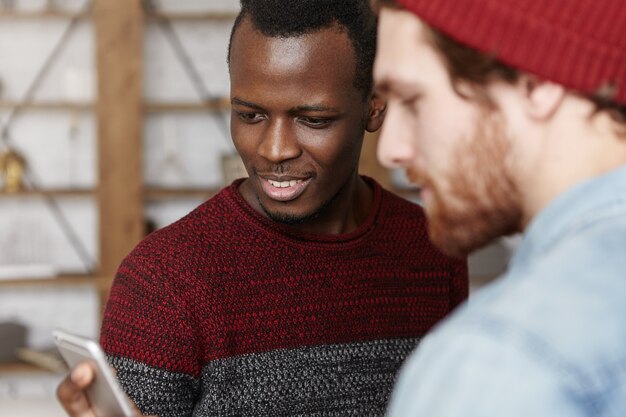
(477, 201)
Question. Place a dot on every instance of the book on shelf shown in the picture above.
(47, 359)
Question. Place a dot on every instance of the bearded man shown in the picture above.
(511, 116)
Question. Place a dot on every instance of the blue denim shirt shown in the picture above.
(548, 339)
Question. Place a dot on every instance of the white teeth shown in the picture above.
(284, 184)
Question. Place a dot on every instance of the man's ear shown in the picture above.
(542, 98)
(376, 114)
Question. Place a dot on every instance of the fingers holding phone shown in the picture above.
(71, 391)
(91, 389)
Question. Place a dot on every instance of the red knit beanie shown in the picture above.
(580, 44)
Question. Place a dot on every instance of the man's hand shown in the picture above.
(71, 392)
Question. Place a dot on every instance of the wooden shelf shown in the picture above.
(68, 280)
(47, 106)
(41, 14)
(193, 17)
(161, 193)
(60, 192)
(20, 368)
(222, 103)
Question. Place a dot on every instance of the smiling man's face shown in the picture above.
(297, 121)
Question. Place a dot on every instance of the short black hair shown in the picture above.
(280, 18)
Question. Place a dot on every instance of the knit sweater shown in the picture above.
(227, 313)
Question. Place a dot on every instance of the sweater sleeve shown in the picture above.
(149, 341)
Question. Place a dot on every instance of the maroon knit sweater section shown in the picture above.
(226, 281)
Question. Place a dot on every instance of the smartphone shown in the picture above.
(105, 395)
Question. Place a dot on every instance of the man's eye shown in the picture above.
(315, 122)
(411, 104)
(249, 117)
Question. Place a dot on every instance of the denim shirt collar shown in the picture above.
(581, 204)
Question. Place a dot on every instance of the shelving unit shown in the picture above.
(118, 107)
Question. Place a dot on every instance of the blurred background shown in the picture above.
(113, 123)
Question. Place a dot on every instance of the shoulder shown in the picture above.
(567, 342)
(185, 239)
(571, 295)
(406, 206)
(404, 226)
(396, 209)
(467, 369)
(202, 220)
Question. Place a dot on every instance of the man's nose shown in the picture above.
(279, 141)
(395, 145)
